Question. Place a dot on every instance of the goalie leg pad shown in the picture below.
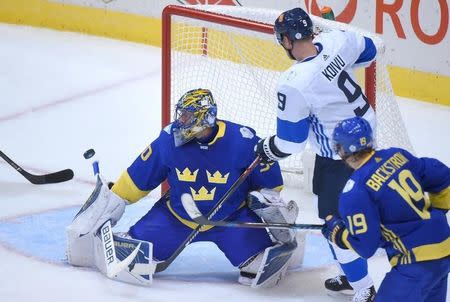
(126, 259)
(268, 205)
(249, 269)
(272, 265)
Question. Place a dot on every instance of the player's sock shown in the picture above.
(354, 268)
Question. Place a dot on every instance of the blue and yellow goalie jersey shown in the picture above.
(384, 204)
(206, 171)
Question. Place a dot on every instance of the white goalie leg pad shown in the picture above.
(269, 266)
(80, 249)
(101, 206)
(298, 255)
(269, 205)
(123, 258)
(250, 268)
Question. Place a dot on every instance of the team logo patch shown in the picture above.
(292, 74)
(246, 133)
(348, 186)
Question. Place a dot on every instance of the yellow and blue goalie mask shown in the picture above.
(194, 112)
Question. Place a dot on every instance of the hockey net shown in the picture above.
(232, 51)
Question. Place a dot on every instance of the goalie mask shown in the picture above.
(194, 112)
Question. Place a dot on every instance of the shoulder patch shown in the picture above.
(292, 74)
(348, 186)
(246, 133)
(168, 128)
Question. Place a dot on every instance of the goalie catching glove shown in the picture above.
(268, 151)
(269, 205)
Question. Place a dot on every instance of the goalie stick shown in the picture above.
(162, 265)
(193, 212)
(56, 177)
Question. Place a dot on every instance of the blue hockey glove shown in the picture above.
(333, 229)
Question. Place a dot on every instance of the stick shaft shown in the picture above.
(257, 225)
(164, 264)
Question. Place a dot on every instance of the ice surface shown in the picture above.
(63, 93)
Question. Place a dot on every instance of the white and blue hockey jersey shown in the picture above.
(318, 92)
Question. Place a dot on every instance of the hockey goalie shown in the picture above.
(203, 156)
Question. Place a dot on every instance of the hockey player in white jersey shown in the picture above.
(314, 94)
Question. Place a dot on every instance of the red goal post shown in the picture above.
(232, 51)
(189, 12)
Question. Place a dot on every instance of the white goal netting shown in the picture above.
(241, 67)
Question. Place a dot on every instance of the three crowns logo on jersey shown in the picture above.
(217, 177)
(187, 175)
(203, 194)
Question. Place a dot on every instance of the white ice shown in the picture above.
(62, 93)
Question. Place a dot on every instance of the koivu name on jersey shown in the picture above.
(334, 68)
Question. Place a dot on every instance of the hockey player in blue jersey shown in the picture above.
(203, 156)
(313, 95)
(385, 204)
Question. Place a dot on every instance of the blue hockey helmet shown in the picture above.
(352, 135)
(195, 111)
(295, 24)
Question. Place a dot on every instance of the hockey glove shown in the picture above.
(269, 205)
(333, 230)
(266, 149)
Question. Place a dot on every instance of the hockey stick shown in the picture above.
(162, 265)
(56, 177)
(191, 208)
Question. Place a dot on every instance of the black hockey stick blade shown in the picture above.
(56, 177)
(51, 178)
(193, 212)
